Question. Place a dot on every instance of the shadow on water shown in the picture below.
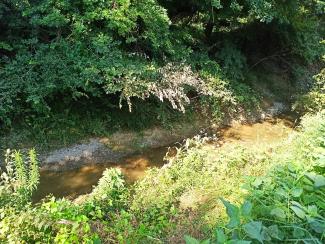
(73, 183)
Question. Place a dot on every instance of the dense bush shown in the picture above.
(287, 204)
(314, 100)
(114, 50)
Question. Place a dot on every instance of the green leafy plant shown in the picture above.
(285, 205)
(20, 178)
(314, 100)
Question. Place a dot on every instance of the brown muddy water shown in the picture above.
(75, 182)
(72, 183)
(265, 132)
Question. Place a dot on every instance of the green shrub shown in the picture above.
(74, 71)
(19, 180)
(286, 204)
(110, 193)
(314, 100)
(112, 51)
(53, 220)
(233, 62)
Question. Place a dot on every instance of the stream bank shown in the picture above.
(77, 181)
(123, 144)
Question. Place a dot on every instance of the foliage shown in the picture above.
(74, 69)
(233, 62)
(110, 193)
(314, 100)
(232, 99)
(286, 205)
(110, 52)
(282, 200)
(78, 58)
(60, 221)
(19, 179)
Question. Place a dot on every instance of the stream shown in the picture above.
(72, 183)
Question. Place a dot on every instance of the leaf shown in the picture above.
(238, 242)
(221, 237)
(295, 203)
(312, 210)
(298, 211)
(321, 204)
(298, 233)
(309, 198)
(257, 182)
(278, 212)
(216, 4)
(246, 208)
(97, 241)
(254, 229)
(191, 240)
(233, 213)
(274, 232)
(296, 192)
(319, 181)
(265, 235)
(281, 192)
(317, 226)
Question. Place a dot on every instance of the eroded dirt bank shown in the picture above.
(122, 144)
(74, 182)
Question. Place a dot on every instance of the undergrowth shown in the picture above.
(313, 100)
(285, 205)
(273, 193)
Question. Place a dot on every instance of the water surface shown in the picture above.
(79, 181)
(71, 183)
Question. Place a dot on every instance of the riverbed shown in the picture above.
(75, 182)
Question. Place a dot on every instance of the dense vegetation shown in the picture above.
(75, 69)
(282, 198)
(108, 54)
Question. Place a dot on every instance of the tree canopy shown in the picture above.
(54, 49)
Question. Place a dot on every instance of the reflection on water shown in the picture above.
(80, 181)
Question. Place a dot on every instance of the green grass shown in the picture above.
(184, 197)
(287, 202)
